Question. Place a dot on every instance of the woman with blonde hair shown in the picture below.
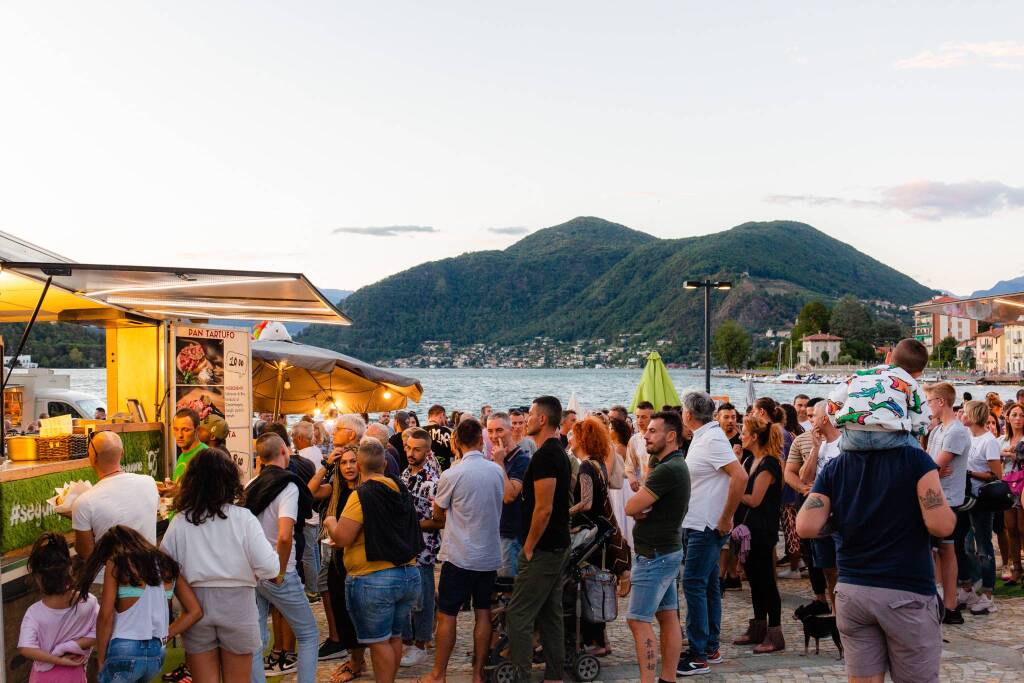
(758, 513)
(983, 466)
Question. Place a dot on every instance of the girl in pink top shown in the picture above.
(59, 631)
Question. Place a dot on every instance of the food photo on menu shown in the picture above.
(199, 361)
(205, 401)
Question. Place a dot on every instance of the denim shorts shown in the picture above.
(381, 603)
(129, 661)
(654, 585)
(510, 548)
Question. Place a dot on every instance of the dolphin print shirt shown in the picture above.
(883, 398)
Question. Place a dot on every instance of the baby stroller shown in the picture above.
(580, 665)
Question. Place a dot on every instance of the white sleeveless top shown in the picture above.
(146, 619)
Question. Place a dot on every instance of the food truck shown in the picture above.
(161, 354)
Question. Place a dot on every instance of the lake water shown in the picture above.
(468, 389)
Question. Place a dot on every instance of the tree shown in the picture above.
(888, 331)
(76, 356)
(731, 345)
(852, 321)
(813, 318)
(824, 357)
(945, 352)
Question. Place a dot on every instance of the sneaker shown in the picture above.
(953, 616)
(966, 598)
(178, 675)
(984, 605)
(715, 657)
(692, 665)
(286, 663)
(313, 598)
(413, 656)
(788, 573)
(270, 663)
(331, 649)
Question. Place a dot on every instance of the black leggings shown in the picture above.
(764, 593)
(818, 583)
(336, 587)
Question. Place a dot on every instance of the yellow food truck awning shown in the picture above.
(995, 308)
(87, 292)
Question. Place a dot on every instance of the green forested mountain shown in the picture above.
(57, 345)
(591, 278)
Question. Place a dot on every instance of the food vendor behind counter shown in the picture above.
(185, 429)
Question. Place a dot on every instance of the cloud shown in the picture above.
(386, 230)
(927, 199)
(993, 54)
(510, 230)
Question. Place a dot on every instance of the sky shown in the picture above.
(350, 141)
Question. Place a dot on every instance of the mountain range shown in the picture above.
(1002, 287)
(590, 278)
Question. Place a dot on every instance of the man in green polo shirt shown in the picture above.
(658, 507)
(185, 429)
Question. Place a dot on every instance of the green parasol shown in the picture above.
(655, 385)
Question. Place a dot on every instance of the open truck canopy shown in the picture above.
(1007, 309)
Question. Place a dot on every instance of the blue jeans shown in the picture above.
(421, 626)
(381, 602)
(700, 587)
(510, 548)
(982, 560)
(129, 661)
(290, 600)
(311, 557)
(875, 440)
(654, 585)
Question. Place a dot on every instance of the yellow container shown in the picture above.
(21, 448)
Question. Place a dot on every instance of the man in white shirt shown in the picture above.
(468, 502)
(118, 497)
(636, 449)
(825, 438)
(302, 439)
(279, 499)
(717, 481)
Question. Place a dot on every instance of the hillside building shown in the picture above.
(1013, 349)
(932, 328)
(823, 349)
(988, 350)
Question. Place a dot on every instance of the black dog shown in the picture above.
(818, 627)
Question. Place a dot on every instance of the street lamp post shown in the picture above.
(707, 286)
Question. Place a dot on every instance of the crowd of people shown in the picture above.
(396, 530)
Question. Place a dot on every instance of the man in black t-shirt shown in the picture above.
(537, 596)
(440, 435)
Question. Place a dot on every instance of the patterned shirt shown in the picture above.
(884, 398)
(422, 486)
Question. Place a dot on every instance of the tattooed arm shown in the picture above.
(813, 515)
(938, 517)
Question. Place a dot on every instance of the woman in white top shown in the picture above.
(222, 551)
(983, 466)
(619, 489)
(132, 628)
(1013, 462)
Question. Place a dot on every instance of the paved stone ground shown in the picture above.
(986, 648)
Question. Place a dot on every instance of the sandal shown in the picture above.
(346, 672)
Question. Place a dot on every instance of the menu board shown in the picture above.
(213, 376)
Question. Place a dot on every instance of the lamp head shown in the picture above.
(722, 285)
(691, 284)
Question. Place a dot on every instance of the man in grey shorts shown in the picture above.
(884, 504)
